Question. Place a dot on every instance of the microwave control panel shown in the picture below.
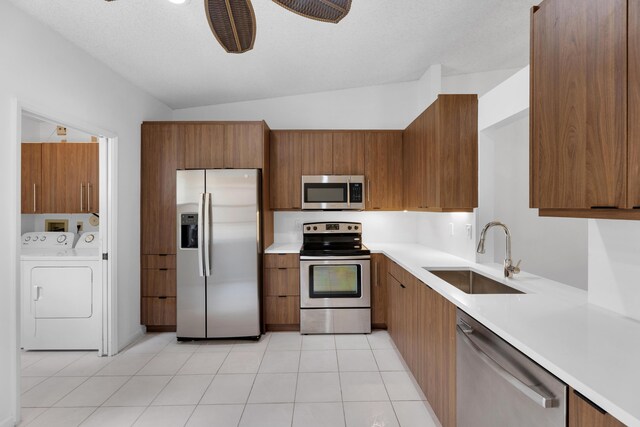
(355, 189)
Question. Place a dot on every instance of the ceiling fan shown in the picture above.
(233, 22)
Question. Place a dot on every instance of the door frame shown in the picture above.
(108, 177)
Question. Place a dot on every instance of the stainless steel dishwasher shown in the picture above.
(498, 386)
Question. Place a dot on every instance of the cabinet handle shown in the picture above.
(34, 198)
(81, 197)
(376, 274)
(88, 197)
(402, 286)
(162, 297)
(282, 268)
(282, 296)
(163, 269)
(368, 190)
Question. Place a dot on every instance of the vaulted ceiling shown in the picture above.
(169, 50)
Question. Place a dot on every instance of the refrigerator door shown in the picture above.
(191, 306)
(233, 308)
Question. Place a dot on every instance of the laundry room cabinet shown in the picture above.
(60, 178)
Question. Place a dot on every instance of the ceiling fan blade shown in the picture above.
(233, 22)
(320, 10)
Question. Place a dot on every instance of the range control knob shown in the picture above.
(61, 238)
(357, 227)
(315, 228)
(349, 228)
(308, 228)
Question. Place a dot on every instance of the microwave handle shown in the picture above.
(349, 192)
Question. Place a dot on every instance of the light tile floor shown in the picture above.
(283, 380)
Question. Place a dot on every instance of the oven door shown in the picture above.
(330, 282)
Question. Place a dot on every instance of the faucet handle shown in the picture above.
(516, 269)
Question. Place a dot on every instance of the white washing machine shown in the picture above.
(61, 291)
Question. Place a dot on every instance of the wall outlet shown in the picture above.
(79, 226)
(451, 229)
(61, 131)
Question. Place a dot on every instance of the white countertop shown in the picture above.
(594, 350)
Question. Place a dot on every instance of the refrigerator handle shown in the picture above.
(207, 234)
(201, 235)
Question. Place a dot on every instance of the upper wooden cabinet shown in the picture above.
(440, 161)
(317, 153)
(158, 188)
(31, 178)
(348, 153)
(585, 108)
(60, 178)
(383, 170)
(286, 170)
(218, 145)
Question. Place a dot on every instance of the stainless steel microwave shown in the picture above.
(333, 192)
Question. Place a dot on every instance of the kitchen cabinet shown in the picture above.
(440, 161)
(583, 413)
(383, 166)
(31, 178)
(158, 188)
(348, 153)
(69, 178)
(158, 313)
(317, 152)
(218, 145)
(422, 325)
(281, 290)
(378, 291)
(584, 109)
(286, 170)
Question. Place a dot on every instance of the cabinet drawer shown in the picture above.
(281, 281)
(159, 283)
(396, 271)
(282, 261)
(158, 311)
(159, 261)
(284, 310)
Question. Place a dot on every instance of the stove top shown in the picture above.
(333, 239)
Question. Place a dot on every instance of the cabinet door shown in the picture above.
(31, 178)
(92, 176)
(393, 309)
(348, 153)
(243, 145)
(159, 282)
(203, 146)
(583, 413)
(282, 310)
(383, 170)
(379, 290)
(410, 320)
(158, 188)
(317, 153)
(57, 194)
(579, 104)
(413, 147)
(443, 400)
(457, 139)
(158, 311)
(281, 281)
(286, 170)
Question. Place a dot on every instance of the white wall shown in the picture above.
(37, 222)
(448, 232)
(34, 130)
(479, 83)
(614, 266)
(44, 70)
(555, 248)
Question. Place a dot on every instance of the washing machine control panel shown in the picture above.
(47, 239)
(88, 240)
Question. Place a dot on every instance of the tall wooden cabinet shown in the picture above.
(585, 108)
(441, 156)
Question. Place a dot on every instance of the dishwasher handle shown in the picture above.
(532, 392)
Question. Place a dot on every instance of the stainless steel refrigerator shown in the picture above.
(218, 240)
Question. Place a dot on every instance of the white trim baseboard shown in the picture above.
(9, 422)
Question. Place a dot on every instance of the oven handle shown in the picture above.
(334, 258)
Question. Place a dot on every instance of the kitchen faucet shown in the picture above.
(509, 268)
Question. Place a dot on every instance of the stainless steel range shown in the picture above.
(335, 284)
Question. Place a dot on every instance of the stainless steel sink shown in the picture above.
(471, 282)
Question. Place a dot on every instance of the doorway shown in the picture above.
(97, 215)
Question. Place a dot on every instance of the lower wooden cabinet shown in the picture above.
(422, 325)
(158, 291)
(378, 291)
(158, 311)
(281, 290)
(583, 413)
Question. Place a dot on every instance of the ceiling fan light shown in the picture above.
(321, 10)
(233, 22)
